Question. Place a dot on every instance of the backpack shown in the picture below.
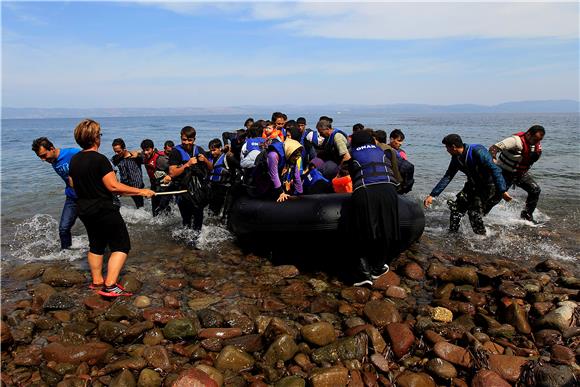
(197, 186)
(403, 170)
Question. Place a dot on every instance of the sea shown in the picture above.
(33, 195)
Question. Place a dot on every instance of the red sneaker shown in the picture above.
(94, 286)
(114, 291)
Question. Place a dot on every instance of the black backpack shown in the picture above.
(403, 170)
(197, 186)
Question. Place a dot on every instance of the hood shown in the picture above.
(290, 147)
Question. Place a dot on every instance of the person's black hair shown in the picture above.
(294, 133)
(249, 122)
(397, 134)
(380, 135)
(535, 129)
(215, 143)
(277, 115)
(169, 143)
(188, 131)
(119, 141)
(255, 130)
(42, 142)
(452, 140)
(324, 123)
(301, 120)
(362, 137)
(147, 143)
(357, 127)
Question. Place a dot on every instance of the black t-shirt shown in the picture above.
(87, 170)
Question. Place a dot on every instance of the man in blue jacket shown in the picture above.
(484, 182)
(60, 160)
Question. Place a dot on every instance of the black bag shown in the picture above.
(197, 186)
(407, 171)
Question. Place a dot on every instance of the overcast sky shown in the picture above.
(145, 54)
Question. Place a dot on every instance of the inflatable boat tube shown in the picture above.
(312, 214)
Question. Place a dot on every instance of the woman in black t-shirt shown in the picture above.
(94, 182)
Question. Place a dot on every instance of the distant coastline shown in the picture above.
(545, 106)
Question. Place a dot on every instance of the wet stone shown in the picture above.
(460, 275)
(173, 284)
(396, 292)
(142, 302)
(180, 328)
(414, 271)
(453, 354)
(512, 289)
(506, 366)
(562, 354)
(542, 308)
(212, 372)
(487, 378)
(199, 303)
(122, 311)
(90, 353)
(320, 333)
(212, 344)
(381, 313)
(441, 314)
(96, 303)
(559, 376)
(402, 338)
(504, 330)
(220, 333)
(516, 315)
(444, 292)
(358, 295)
(412, 379)
(210, 318)
(232, 358)
(248, 343)
(109, 331)
(30, 355)
(153, 337)
(388, 279)
(171, 301)
(131, 283)
(441, 368)
(82, 328)
(329, 377)
(59, 301)
(343, 349)
(124, 379)
(162, 315)
(28, 271)
(56, 276)
(547, 337)
(559, 318)
(291, 381)
(282, 349)
(149, 378)
(157, 357)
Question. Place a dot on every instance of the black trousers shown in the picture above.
(191, 216)
(476, 201)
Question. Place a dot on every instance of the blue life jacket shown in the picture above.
(308, 151)
(278, 147)
(313, 177)
(219, 173)
(184, 155)
(330, 151)
(369, 166)
(255, 143)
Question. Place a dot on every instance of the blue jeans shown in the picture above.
(67, 220)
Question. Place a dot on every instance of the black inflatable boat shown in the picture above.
(312, 215)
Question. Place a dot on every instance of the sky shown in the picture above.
(194, 54)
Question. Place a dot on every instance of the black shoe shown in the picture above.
(525, 215)
(382, 271)
(362, 276)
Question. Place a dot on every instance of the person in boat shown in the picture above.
(94, 181)
(403, 169)
(342, 183)
(221, 177)
(188, 158)
(279, 121)
(313, 181)
(235, 141)
(309, 139)
(168, 147)
(334, 149)
(484, 181)
(515, 156)
(252, 147)
(157, 167)
(277, 171)
(129, 165)
(270, 133)
(60, 158)
(396, 140)
(375, 214)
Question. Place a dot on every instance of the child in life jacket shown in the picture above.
(221, 176)
(271, 133)
(313, 181)
(342, 183)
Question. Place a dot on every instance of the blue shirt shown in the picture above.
(476, 163)
(61, 167)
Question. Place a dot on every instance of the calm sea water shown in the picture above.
(32, 194)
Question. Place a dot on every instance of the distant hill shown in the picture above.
(548, 106)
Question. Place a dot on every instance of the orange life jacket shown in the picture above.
(342, 184)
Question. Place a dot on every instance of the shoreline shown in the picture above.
(240, 320)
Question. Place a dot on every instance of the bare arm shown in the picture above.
(112, 184)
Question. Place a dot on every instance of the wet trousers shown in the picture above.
(474, 200)
(528, 184)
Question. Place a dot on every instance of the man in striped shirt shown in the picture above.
(129, 166)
